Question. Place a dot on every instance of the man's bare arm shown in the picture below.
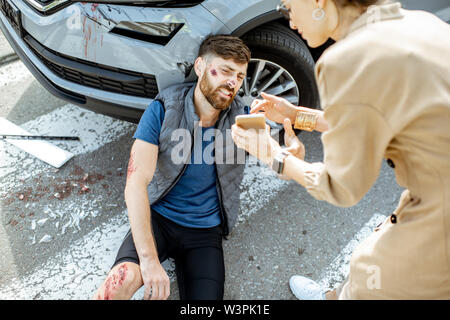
(141, 168)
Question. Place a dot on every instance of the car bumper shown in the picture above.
(166, 62)
(121, 111)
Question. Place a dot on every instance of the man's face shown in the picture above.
(221, 80)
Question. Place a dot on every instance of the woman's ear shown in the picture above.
(321, 3)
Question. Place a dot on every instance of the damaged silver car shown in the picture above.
(114, 56)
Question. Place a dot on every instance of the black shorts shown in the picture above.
(197, 252)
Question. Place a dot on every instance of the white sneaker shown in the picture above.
(306, 289)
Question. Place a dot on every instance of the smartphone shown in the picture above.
(251, 121)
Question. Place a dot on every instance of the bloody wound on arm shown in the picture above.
(131, 166)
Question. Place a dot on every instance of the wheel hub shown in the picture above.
(266, 76)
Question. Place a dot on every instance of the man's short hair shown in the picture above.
(226, 47)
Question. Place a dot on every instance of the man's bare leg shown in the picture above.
(121, 283)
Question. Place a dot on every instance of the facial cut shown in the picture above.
(219, 96)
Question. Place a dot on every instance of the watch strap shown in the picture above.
(278, 161)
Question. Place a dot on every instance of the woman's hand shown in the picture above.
(293, 145)
(258, 143)
(275, 108)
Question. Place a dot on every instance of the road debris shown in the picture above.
(42, 150)
(36, 137)
(47, 238)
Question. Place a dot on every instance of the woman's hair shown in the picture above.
(359, 3)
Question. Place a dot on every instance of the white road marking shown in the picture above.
(338, 270)
(259, 187)
(14, 72)
(77, 271)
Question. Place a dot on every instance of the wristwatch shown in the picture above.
(278, 161)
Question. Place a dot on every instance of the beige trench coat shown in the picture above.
(385, 91)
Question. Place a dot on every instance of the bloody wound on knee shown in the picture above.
(114, 281)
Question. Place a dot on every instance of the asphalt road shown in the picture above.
(60, 228)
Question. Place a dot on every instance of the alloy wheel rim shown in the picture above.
(269, 77)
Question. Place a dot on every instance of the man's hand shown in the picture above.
(275, 108)
(156, 281)
(258, 143)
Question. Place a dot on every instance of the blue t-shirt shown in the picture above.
(193, 201)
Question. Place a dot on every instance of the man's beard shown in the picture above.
(213, 96)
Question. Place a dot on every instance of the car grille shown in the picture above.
(11, 13)
(95, 75)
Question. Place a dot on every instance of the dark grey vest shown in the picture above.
(176, 144)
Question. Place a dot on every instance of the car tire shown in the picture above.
(281, 45)
(277, 43)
